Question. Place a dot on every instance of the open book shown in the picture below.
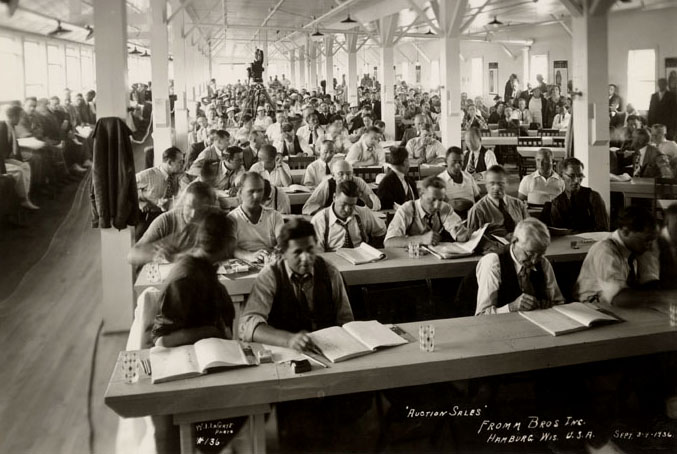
(296, 188)
(354, 339)
(457, 250)
(568, 318)
(187, 361)
(361, 254)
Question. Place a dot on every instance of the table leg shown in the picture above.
(187, 438)
(257, 423)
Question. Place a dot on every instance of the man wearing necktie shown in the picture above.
(648, 161)
(319, 169)
(345, 225)
(397, 186)
(500, 210)
(309, 134)
(298, 294)
(367, 151)
(519, 278)
(477, 159)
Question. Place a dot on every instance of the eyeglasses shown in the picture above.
(576, 176)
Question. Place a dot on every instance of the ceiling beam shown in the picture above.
(574, 7)
(270, 14)
(178, 10)
(422, 13)
(563, 24)
(310, 25)
(421, 53)
(472, 18)
(600, 7)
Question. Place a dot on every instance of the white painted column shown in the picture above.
(329, 64)
(526, 65)
(159, 62)
(387, 27)
(450, 15)
(302, 68)
(180, 73)
(590, 110)
(292, 68)
(110, 45)
(312, 65)
(351, 46)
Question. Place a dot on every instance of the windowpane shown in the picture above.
(641, 77)
(10, 75)
(36, 69)
(87, 70)
(73, 71)
(538, 65)
(477, 77)
(434, 74)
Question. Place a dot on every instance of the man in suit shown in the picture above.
(415, 131)
(250, 153)
(648, 161)
(614, 98)
(477, 159)
(397, 187)
(663, 108)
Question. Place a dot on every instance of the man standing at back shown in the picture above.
(663, 108)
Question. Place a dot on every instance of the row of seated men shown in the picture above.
(300, 292)
(40, 148)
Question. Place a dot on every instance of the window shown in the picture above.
(56, 72)
(11, 74)
(538, 65)
(73, 70)
(641, 77)
(476, 78)
(87, 69)
(36, 69)
(404, 70)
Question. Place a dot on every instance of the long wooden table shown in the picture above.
(464, 348)
(397, 267)
(492, 141)
(637, 188)
(530, 152)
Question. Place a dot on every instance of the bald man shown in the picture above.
(544, 184)
(323, 195)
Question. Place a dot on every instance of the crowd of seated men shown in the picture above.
(44, 145)
(245, 155)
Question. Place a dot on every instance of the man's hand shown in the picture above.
(523, 303)
(260, 256)
(300, 341)
(165, 251)
(278, 160)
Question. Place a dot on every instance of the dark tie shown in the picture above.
(632, 274)
(310, 140)
(471, 167)
(508, 221)
(285, 151)
(326, 169)
(172, 186)
(524, 281)
(637, 167)
(347, 241)
(299, 280)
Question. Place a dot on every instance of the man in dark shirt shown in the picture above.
(577, 208)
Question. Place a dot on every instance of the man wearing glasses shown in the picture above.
(519, 278)
(577, 208)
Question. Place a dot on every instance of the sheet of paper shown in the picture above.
(594, 236)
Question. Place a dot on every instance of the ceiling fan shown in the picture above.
(59, 30)
(495, 22)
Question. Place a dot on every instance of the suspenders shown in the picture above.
(363, 234)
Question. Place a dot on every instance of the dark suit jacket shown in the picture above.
(409, 134)
(618, 120)
(655, 164)
(550, 111)
(5, 147)
(248, 157)
(390, 190)
(664, 111)
(195, 150)
(113, 192)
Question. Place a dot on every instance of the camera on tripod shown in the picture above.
(255, 69)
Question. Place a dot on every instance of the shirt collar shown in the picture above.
(291, 272)
(163, 172)
(553, 175)
(420, 212)
(616, 238)
(518, 265)
(333, 219)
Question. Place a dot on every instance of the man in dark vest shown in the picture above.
(577, 208)
(519, 278)
(397, 186)
(477, 159)
(295, 295)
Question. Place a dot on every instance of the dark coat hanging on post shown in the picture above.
(113, 191)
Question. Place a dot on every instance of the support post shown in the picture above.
(181, 104)
(159, 63)
(329, 63)
(110, 22)
(302, 67)
(292, 68)
(312, 65)
(387, 27)
(590, 109)
(351, 46)
(526, 66)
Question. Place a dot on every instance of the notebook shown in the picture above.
(364, 253)
(292, 188)
(569, 318)
(457, 250)
(339, 343)
(169, 364)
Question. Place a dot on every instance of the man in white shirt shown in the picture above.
(426, 220)
(320, 169)
(367, 151)
(561, 120)
(519, 278)
(477, 159)
(271, 167)
(274, 131)
(338, 134)
(426, 149)
(544, 184)
(323, 195)
(345, 225)
(156, 186)
(310, 134)
(287, 143)
(262, 120)
(257, 227)
(665, 146)
(276, 198)
(462, 189)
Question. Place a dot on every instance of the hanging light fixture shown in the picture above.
(348, 20)
(430, 32)
(145, 54)
(317, 36)
(134, 51)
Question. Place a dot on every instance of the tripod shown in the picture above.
(255, 96)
